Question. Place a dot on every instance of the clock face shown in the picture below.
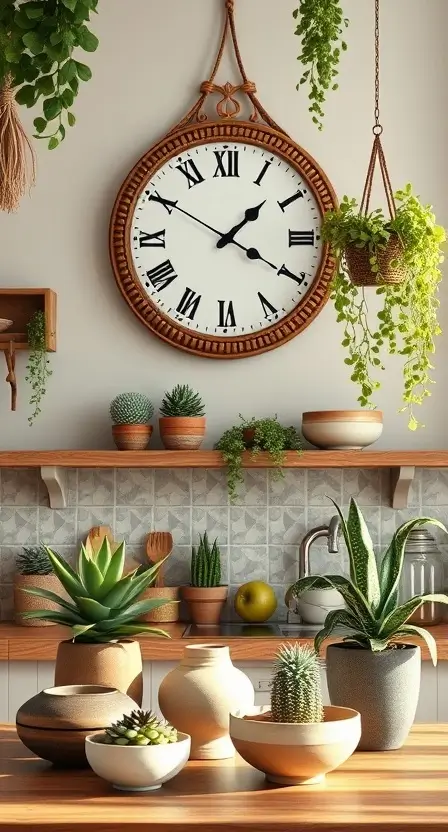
(216, 239)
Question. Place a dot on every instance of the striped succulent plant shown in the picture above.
(205, 563)
(372, 614)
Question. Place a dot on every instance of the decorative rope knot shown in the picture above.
(230, 5)
(207, 87)
(7, 96)
(248, 87)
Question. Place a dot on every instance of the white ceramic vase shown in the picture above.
(198, 695)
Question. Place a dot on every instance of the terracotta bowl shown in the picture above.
(342, 430)
(295, 754)
(137, 768)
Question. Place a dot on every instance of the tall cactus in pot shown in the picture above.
(205, 595)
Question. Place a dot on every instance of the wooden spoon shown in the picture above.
(158, 546)
(95, 538)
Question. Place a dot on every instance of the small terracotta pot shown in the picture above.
(205, 604)
(115, 664)
(26, 603)
(167, 613)
(248, 436)
(131, 437)
(182, 433)
(55, 723)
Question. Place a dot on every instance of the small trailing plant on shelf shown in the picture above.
(38, 367)
(320, 26)
(296, 694)
(34, 560)
(130, 414)
(256, 435)
(140, 728)
(407, 324)
(206, 595)
(182, 424)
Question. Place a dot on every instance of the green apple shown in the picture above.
(255, 601)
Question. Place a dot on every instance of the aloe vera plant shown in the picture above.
(104, 605)
(372, 614)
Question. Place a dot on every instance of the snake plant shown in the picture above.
(372, 614)
(104, 605)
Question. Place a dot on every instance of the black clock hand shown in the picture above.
(251, 253)
(249, 216)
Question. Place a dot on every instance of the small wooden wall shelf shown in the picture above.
(53, 464)
(19, 305)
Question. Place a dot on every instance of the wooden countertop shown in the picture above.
(386, 792)
(19, 643)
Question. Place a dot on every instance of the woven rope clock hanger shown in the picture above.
(357, 259)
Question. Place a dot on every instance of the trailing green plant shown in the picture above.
(296, 688)
(38, 367)
(34, 560)
(320, 26)
(372, 615)
(131, 409)
(39, 41)
(407, 322)
(140, 728)
(104, 603)
(256, 435)
(182, 401)
(205, 563)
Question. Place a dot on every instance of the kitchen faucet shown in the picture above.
(331, 532)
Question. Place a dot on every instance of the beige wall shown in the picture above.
(152, 56)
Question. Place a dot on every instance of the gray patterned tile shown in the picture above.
(435, 486)
(133, 524)
(248, 563)
(248, 526)
(363, 484)
(177, 571)
(437, 512)
(95, 487)
(57, 526)
(324, 563)
(88, 517)
(69, 553)
(6, 602)
(209, 487)
(8, 555)
(324, 484)
(287, 525)
(18, 526)
(254, 490)
(176, 520)
(289, 490)
(19, 487)
(172, 487)
(211, 519)
(283, 564)
(134, 486)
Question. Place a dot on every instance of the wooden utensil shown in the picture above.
(158, 546)
(95, 538)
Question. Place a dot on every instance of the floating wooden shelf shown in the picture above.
(19, 305)
(53, 464)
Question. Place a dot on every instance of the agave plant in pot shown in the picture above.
(373, 670)
(103, 613)
(205, 596)
(182, 423)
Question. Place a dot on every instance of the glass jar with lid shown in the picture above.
(422, 574)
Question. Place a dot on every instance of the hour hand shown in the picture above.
(250, 215)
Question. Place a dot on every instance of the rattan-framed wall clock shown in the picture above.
(215, 234)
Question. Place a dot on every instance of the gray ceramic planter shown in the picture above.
(383, 687)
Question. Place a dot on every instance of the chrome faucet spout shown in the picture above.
(334, 530)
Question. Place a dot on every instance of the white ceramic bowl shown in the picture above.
(313, 605)
(133, 768)
(342, 430)
(5, 324)
(295, 754)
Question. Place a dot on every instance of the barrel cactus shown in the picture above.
(205, 563)
(131, 409)
(296, 691)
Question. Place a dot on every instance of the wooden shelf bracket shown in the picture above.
(401, 480)
(55, 479)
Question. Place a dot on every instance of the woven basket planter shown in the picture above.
(359, 268)
(169, 612)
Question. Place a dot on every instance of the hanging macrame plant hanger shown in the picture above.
(17, 158)
(391, 268)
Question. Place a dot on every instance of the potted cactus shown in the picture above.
(130, 414)
(34, 569)
(103, 611)
(182, 424)
(296, 740)
(206, 595)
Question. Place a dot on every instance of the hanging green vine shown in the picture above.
(38, 43)
(320, 26)
(38, 364)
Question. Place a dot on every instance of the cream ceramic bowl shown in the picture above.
(295, 754)
(133, 768)
(342, 430)
(313, 605)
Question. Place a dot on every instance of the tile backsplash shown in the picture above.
(259, 536)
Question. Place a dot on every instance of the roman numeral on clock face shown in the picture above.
(227, 163)
(191, 172)
(301, 238)
(189, 303)
(226, 313)
(161, 276)
(262, 173)
(154, 240)
(284, 271)
(268, 309)
(168, 204)
(283, 205)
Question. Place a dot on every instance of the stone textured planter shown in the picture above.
(384, 687)
(116, 665)
(182, 433)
